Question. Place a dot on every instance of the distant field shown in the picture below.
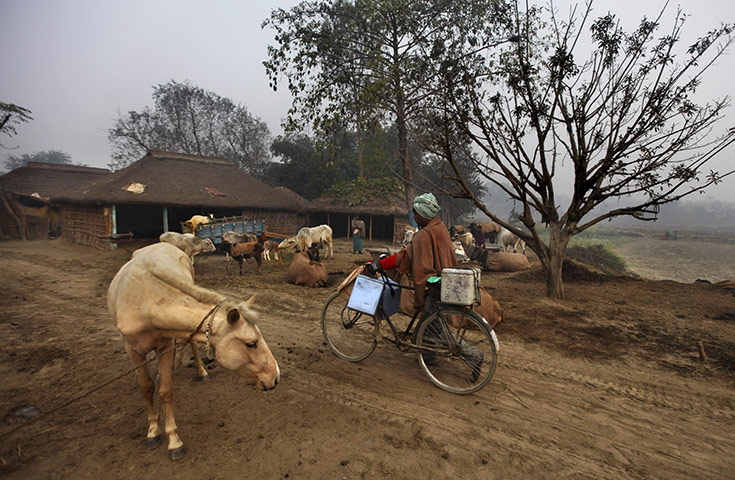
(705, 255)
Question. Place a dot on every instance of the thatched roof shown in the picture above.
(175, 179)
(298, 199)
(49, 179)
(367, 197)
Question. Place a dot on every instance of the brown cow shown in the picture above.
(153, 300)
(242, 251)
(272, 248)
(307, 270)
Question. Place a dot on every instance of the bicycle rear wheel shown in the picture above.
(349, 334)
(456, 350)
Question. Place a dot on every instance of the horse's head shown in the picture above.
(241, 347)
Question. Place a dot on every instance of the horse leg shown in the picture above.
(166, 393)
(148, 388)
(201, 371)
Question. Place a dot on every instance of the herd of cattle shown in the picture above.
(492, 248)
(493, 253)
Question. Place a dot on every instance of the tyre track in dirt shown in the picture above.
(717, 407)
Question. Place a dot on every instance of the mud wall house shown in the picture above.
(384, 216)
(163, 189)
(27, 209)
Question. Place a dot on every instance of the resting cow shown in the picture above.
(307, 270)
(153, 300)
(188, 242)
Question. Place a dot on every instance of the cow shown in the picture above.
(153, 300)
(233, 237)
(243, 251)
(309, 236)
(491, 230)
(306, 269)
(466, 239)
(508, 239)
(408, 232)
(272, 248)
(198, 220)
(188, 242)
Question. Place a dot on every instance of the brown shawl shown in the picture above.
(429, 252)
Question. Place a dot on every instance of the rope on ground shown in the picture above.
(103, 385)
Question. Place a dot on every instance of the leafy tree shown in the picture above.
(352, 62)
(48, 156)
(12, 115)
(302, 168)
(187, 119)
(623, 122)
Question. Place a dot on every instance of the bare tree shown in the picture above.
(189, 119)
(623, 122)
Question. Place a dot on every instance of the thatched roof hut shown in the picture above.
(49, 180)
(381, 203)
(176, 179)
(26, 210)
(163, 189)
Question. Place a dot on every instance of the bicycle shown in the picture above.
(456, 348)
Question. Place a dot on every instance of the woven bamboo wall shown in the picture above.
(286, 223)
(86, 225)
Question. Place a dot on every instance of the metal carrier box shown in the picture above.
(368, 293)
(460, 286)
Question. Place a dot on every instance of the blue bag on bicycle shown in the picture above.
(368, 293)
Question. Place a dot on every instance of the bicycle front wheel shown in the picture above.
(456, 350)
(349, 334)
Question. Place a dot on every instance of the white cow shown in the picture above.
(508, 239)
(408, 232)
(153, 300)
(197, 220)
(309, 236)
(188, 242)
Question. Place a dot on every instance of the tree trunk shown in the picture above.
(361, 171)
(403, 153)
(552, 261)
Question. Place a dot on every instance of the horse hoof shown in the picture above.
(155, 442)
(177, 453)
(205, 378)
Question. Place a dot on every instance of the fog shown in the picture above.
(77, 63)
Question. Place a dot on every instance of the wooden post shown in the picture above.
(371, 230)
(113, 214)
(165, 219)
(349, 225)
(18, 221)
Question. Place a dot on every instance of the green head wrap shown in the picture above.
(426, 205)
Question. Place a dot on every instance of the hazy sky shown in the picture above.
(76, 63)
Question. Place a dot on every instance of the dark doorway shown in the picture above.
(144, 221)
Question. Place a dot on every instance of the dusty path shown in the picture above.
(606, 384)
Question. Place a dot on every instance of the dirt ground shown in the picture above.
(604, 384)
